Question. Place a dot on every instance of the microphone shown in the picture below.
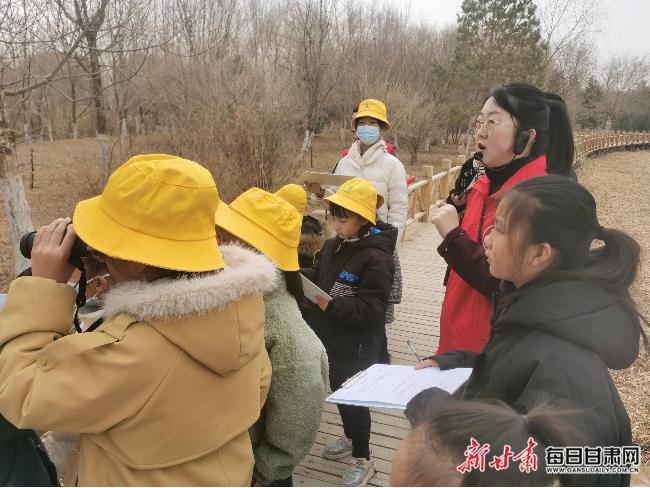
(478, 156)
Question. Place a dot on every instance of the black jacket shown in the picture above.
(23, 459)
(358, 275)
(555, 344)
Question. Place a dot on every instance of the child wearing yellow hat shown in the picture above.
(289, 423)
(356, 269)
(369, 158)
(165, 390)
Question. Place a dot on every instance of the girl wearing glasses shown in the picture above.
(520, 133)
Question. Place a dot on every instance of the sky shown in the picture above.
(621, 27)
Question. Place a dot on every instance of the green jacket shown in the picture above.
(287, 427)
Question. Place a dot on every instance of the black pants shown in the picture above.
(356, 420)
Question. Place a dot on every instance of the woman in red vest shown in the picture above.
(520, 133)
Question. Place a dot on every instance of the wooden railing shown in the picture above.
(432, 191)
(589, 143)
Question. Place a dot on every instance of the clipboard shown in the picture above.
(393, 386)
(311, 290)
(324, 179)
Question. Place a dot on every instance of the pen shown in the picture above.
(415, 353)
(351, 380)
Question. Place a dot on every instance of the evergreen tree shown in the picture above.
(499, 41)
(591, 111)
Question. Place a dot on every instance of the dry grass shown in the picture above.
(623, 198)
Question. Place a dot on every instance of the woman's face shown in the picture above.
(495, 138)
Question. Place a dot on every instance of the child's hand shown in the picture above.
(323, 302)
(427, 363)
(51, 251)
(445, 219)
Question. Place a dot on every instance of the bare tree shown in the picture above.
(15, 205)
(312, 25)
(622, 75)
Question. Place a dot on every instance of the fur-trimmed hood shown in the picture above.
(216, 319)
(246, 273)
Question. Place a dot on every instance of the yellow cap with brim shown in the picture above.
(265, 221)
(156, 210)
(372, 108)
(295, 195)
(359, 196)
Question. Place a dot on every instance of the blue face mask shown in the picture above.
(368, 134)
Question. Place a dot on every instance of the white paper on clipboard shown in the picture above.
(324, 179)
(392, 386)
(311, 291)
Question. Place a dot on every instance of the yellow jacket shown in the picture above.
(163, 393)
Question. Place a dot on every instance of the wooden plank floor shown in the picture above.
(416, 318)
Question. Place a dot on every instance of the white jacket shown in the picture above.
(386, 173)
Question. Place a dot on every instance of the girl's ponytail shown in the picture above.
(552, 426)
(559, 211)
(615, 264)
(559, 144)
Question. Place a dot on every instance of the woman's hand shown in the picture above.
(445, 219)
(427, 363)
(323, 302)
(316, 189)
(51, 251)
(460, 200)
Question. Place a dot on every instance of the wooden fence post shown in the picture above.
(444, 183)
(428, 191)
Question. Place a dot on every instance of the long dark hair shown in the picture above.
(547, 114)
(561, 212)
(446, 433)
(294, 285)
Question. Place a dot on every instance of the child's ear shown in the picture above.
(544, 256)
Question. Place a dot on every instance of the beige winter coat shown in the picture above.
(163, 393)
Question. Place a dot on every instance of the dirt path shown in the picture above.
(623, 198)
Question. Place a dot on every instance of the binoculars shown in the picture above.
(79, 249)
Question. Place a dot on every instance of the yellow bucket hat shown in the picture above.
(295, 195)
(359, 196)
(265, 221)
(372, 108)
(156, 210)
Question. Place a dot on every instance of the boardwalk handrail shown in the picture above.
(432, 191)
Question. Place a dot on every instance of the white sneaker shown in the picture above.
(359, 471)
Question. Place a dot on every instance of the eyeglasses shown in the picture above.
(489, 125)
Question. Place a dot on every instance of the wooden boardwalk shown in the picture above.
(416, 318)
